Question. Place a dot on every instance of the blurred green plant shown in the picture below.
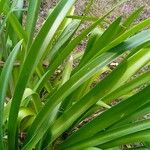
(45, 95)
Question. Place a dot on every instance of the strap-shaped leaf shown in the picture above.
(118, 112)
(91, 148)
(64, 38)
(65, 77)
(123, 90)
(16, 7)
(2, 3)
(132, 17)
(110, 135)
(144, 110)
(61, 42)
(16, 25)
(32, 59)
(126, 35)
(127, 87)
(126, 24)
(19, 12)
(63, 29)
(67, 71)
(4, 80)
(117, 78)
(136, 115)
(139, 136)
(69, 48)
(103, 40)
(59, 31)
(82, 90)
(32, 16)
(59, 59)
(14, 22)
(77, 79)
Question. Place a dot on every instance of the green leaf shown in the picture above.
(32, 15)
(28, 93)
(132, 17)
(33, 104)
(60, 31)
(117, 78)
(32, 59)
(135, 116)
(102, 122)
(126, 24)
(110, 135)
(24, 113)
(16, 25)
(59, 58)
(84, 89)
(101, 42)
(139, 136)
(2, 3)
(64, 38)
(144, 78)
(141, 57)
(76, 80)
(16, 7)
(4, 80)
(67, 50)
(67, 71)
(126, 35)
(72, 30)
(91, 148)
(19, 10)
(35, 99)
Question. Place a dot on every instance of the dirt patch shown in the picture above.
(100, 7)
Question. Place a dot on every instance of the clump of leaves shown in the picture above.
(39, 103)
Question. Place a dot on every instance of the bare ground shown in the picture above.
(102, 6)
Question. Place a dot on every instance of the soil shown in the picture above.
(99, 8)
